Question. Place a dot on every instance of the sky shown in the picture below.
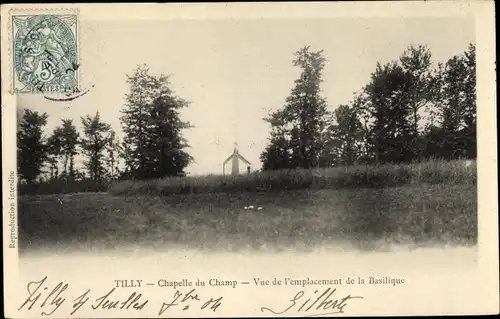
(235, 71)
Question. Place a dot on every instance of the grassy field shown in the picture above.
(62, 186)
(430, 172)
(415, 213)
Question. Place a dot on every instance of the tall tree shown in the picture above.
(344, 140)
(455, 109)
(62, 148)
(470, 85)
(417, 62)
(134, 118)
(31, 147)
(54, 152)
(302, 120)
(277, 154)
(153, 143)
(423, 89)
(69, 142)
(166, 142)
(385, 104)
(93, 144)
(113, 151)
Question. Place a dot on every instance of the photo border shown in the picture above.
(483, 297)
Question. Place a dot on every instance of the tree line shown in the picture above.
(408, 111)
(383, 123)
(56, 153)
(152, 147)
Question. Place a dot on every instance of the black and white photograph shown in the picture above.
(160, 142)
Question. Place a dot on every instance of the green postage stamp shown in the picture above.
(45, 53)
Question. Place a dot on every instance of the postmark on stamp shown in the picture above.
(45, 53)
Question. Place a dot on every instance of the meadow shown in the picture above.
(362, 176)
(417, 204)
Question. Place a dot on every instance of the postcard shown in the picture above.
(249, 159)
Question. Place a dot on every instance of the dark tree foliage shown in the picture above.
(153, 144)
(62, 148)
(453, 131)
(96, 135)
(408, 111)
(344, 139)
(70, 141)
(276, 154)
(386, 99)
(31, 147)
(113, 152)
(423, 90)
(54, 152)
(297, 128)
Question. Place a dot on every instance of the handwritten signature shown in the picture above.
(325, 304)
(53, 300)
(49, 299)
(211, 304)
